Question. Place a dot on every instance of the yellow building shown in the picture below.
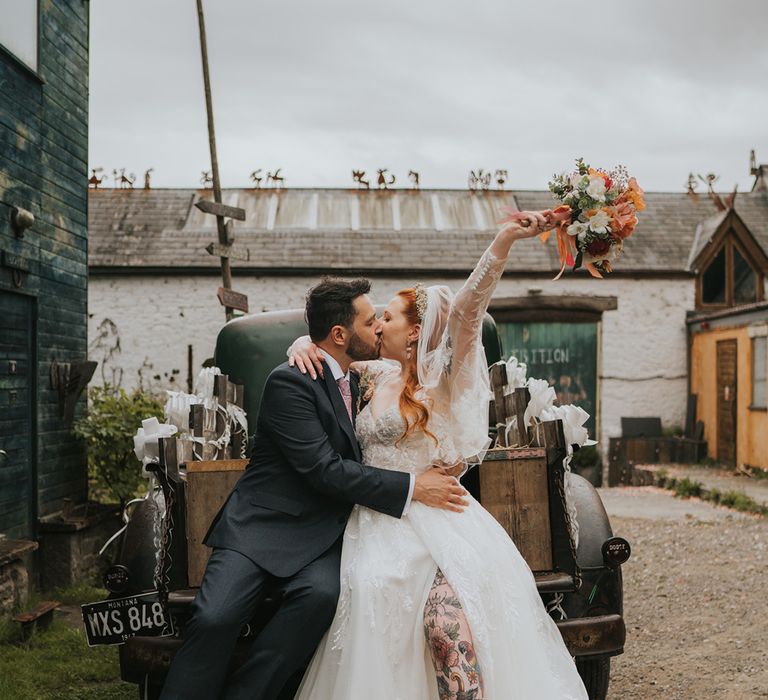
(728, 339)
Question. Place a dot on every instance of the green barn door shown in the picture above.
(565, 354)
(18, 494)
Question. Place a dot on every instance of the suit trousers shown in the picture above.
(229, 594)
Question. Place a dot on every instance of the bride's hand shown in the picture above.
(527, 224)
(305, 355)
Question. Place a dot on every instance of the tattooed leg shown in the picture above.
(450, 642)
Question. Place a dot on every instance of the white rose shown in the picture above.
(577, 229)
(575, 179)
(599, 222)
(596, 189)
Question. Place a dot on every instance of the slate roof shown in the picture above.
(327, 229)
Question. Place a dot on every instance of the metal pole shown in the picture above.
(226, 272)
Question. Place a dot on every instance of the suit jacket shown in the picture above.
(295, 496)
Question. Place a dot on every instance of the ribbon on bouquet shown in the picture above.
(566, 244)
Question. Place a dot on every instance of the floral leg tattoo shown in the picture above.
(450, 642)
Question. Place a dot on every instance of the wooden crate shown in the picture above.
(209, 484)
(514, 487)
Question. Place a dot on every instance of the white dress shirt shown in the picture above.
(337, 373)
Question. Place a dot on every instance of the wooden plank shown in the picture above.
(227, 251)
(39, 610)
(232, 299)
(209, 207)
(207, 492)
(216, 465)
(516, 493)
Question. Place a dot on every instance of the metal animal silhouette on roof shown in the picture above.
(382, 179)
(94, 181)
(122, 180)
(359, 177)
(276, 179)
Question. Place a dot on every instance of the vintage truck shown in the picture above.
(523, 487)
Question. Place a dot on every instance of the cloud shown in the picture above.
(437, 86)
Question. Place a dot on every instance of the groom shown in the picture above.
(282, 526)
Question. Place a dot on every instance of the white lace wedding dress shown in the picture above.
(375, 648)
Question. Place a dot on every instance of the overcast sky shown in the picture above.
(319, 87)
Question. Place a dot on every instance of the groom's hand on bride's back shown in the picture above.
(436, 488)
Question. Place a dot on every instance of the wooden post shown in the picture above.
(498, 379)
(220, 390)
(225, 237)
(202, 423)
(169, 457)
(554, 439)
(516, 403)
(190, 376)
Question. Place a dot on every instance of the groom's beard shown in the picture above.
(360, 350)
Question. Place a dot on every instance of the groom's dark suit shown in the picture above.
(281, 527)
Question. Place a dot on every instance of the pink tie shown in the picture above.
(346, 394)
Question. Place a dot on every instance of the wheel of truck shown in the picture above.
(149, 690)
(595, 673)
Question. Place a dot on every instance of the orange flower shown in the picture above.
(636, 194)
(623, 220)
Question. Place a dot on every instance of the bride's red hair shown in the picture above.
(415, 413)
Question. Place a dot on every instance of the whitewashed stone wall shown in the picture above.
(643, 350)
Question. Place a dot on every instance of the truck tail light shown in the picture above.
(616, 551)
(117, 578)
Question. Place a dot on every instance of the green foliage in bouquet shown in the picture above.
(108, 427)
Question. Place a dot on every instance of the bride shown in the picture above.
(436, 604)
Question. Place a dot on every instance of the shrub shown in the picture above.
(685, 488)
(586, 458)
(108, 426)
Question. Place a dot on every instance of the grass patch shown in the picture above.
(685, 488)
(740, 501)
(57, 664)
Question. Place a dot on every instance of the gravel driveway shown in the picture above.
(694, 597)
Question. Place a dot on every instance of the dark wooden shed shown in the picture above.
(43, 259)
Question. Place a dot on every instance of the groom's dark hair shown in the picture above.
(331, 303)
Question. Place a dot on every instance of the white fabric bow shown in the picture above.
(542, 398)
(516, 375)
(573, 418)
(145, 445)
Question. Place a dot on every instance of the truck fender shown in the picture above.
(594, 525)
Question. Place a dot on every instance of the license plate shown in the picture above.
(114, 621)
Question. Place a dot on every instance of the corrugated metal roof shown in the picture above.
(325, 229)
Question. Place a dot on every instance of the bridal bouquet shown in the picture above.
(597, 213)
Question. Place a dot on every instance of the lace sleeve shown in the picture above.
(454, 368)
(465, 318)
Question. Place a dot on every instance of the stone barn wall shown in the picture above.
(642, 357)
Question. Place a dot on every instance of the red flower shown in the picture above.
(599, 247)
(443, 651)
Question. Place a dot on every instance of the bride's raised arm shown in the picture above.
(465, 317)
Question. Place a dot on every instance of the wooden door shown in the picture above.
(18, 488)
(726, 401)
